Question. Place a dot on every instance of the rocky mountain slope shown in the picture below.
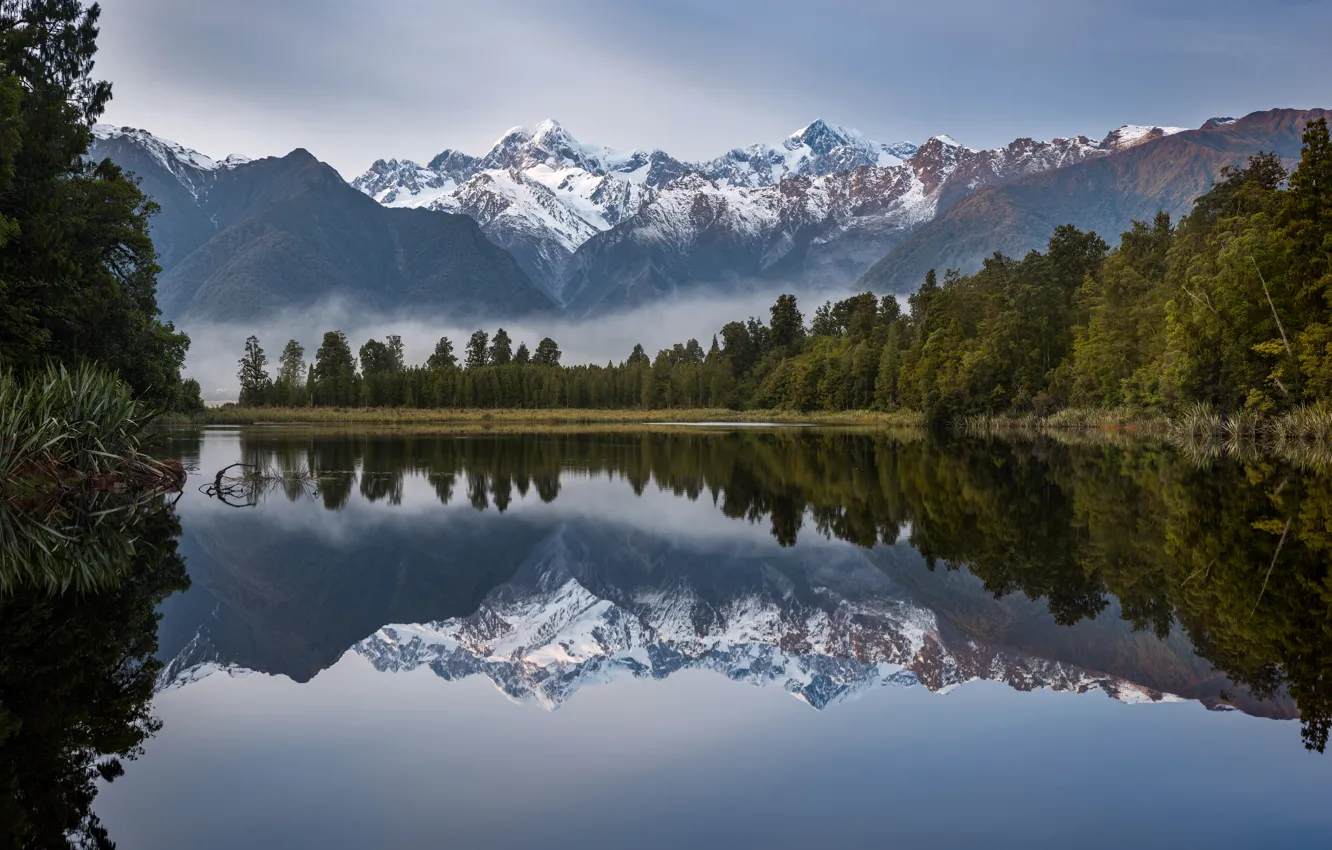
(588, 230)
(541, 194)
(1106, 194)
(241, 239)
(602, 230)
(820, 232)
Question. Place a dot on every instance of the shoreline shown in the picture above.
(551, 416)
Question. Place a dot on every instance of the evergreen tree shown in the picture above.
(522, 356)
(1306, 218)
(693, 353)
(290, 384)
(1119, 341)
(253, 375)
(376, 359)
(638, 356)
(78, 272)
(738, 347)
(191, 397)
(334, 371)
(379, 368)
(788, 325)
(890, 366)
(823, 323)
(443, 356)
(547, 353)
(393, 343)
(501, 349)
(477, 350)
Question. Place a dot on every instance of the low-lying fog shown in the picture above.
(215, 348)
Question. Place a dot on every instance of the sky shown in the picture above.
(353, 81)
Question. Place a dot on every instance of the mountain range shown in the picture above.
(543, 223)
(240, 239)
(547, 608)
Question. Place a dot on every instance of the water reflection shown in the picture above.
(858, 560)
(80, 582)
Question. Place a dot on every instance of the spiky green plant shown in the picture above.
(63, 423)
(1198, 420)
(80, 543)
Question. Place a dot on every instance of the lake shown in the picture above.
(670, 637)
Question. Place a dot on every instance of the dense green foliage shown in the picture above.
(64, 429)
(78, 272)
(1231, 307)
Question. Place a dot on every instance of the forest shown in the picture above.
(78, 270)
(1230, 307)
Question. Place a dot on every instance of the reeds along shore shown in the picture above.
(75, 429)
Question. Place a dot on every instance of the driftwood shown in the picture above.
(247, 489)
(229, 491)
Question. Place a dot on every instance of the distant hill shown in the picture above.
(1105, 195)
(241, 239)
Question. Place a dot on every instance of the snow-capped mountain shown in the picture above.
(238, 238)
(184, 163)
(538, 192)
(541, 194)
(546, 634)
(582, 609)
(1132, 135)
(1138, 172)
(834, 198)
(824, 230)
(812, 151)
(177, 177)
(596, 229)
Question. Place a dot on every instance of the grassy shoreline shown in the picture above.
(507, 417)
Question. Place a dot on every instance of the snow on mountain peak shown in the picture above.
(542, 194)
(815, 150)
(821, 136)
(520, 131)
(549, 127)
(1132, 135)
(168, 153)
(551, 631)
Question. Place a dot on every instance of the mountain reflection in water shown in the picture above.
(821, 561)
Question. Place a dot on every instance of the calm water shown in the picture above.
(696, 637)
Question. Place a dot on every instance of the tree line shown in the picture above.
(78, 271)
(1230, 306)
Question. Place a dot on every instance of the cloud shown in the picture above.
(353, 80)
(215, 348)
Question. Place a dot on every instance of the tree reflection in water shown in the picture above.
(1234, 550)
(78, 632)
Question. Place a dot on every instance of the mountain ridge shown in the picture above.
(594, 230)
(244, 238)
(1104, 195)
